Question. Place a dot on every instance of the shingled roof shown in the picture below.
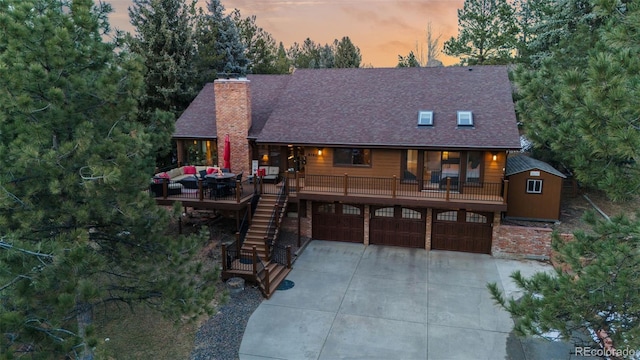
(521, 163)
(372, 107)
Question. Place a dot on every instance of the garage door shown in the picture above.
(461, 230)
(336, 221)
(397, 226)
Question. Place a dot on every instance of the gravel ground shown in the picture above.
(219, 338)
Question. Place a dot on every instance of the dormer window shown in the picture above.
(425, 118)
(465, 118)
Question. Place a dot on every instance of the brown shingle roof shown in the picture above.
(371, 107)
(379, 107)
(198, 120)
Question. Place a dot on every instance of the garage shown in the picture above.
(462, 230)
(339, 222)
(397, 226)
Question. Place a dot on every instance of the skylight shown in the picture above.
(465, 118)
(425, 118)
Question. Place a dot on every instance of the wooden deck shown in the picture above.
(485, 196)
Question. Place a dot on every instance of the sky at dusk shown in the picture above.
(382, 29)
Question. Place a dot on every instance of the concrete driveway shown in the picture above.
(351, 301)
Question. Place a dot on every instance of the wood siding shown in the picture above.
(544, 206)
(384, 163)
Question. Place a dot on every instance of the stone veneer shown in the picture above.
(233, 118)
(523, 242)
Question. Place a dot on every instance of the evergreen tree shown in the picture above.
(282, 63)
(220, 50)
(347, 55)
(260, 47)
(594, 286)
(578, 106)
(164, 40)
(486, 33)
(408, 61)
(77, 228)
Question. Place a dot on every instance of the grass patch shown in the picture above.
(141, 333)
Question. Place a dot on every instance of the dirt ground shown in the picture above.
(572, 209)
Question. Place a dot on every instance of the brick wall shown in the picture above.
(233, 118)
(521, 241)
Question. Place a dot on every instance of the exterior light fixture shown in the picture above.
(319, 151)
(495, 156)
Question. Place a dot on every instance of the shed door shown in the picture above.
(397, 226)
(340, 222)
(461, 230)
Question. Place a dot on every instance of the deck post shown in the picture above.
(261, 187)
(223, 248)
(448, 187)
(297, 181)
(505, 191)
(255, 261)
(165, 188)
(200, 189)
(267, 284)
(267, 255)
(394, 187)
(238, 245)
(238, 191)
(346, 183)
(289, 257)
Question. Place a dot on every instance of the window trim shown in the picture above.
(429, 114)
(533, 190)
(337, 164)
(468, 114)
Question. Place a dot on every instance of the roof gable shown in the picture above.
(521, 163)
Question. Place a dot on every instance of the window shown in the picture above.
(425, 118)
(350, 157)
(447, 216)
(410, 165)
(411, 214)
(327, 208)
(269, 155)
(384, 212)
(465, 118)
(534, 186)
(476, 218)
(350, 210)
(474, 160)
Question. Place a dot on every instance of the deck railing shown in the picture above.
(449, 189)
(198, 191)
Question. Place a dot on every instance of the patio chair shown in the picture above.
(238, 179)
(217, 189)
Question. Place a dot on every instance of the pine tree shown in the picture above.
(164, 40)
(487, 33)
(408, 61)
(594, 286)
(578, 106)
(260, 47)
(347, 55)
(220, 50)
(78, 230)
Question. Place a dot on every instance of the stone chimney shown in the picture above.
(233, 118)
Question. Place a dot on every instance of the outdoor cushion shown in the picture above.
(189, 170)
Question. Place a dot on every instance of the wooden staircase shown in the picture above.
(263, 269)
(260, 227)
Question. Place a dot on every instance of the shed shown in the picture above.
(535, 189)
